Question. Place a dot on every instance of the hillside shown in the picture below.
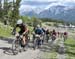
(5, 31)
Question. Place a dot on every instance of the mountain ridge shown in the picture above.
(66, 13)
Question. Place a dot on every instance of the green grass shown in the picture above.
(70, 48)
(5, 32)
(50, 55)
(30, 28)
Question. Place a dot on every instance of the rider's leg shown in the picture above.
(24, 40)
(24, 43)
(17, 35)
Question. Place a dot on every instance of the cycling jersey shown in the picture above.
(38, 31)
(53, 33)
(22, 27)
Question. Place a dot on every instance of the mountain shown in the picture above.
(59, 12)
(66, 13)
(30, 13)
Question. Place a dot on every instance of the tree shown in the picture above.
(11, 10)
(36, 21)
(0, 9)
(15, 12)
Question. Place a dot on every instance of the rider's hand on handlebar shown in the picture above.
(17, 34)
(24, 33)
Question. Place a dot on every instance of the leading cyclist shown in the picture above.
(23, 31)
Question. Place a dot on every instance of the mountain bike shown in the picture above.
(53, 37)
(18, 44)
(37, 41)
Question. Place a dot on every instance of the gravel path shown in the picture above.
(5, 52)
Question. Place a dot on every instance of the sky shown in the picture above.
(39, 5)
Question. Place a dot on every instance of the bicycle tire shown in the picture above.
(15, 46)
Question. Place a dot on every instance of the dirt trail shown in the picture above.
(5, 52)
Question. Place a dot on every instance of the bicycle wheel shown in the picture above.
(15, 46)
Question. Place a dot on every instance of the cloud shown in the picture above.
(47, 2)
(28, 8)
(50, 0)
(34, 3)
(40, 0)
(25, 7)
(40, 5)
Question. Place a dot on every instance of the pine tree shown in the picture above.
(0, 9)
(15, 12)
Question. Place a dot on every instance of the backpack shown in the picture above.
(38, 31)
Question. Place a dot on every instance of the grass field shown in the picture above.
(5, 31)
(50, 55)
(70, 48)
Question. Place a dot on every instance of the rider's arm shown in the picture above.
(26, 29)
(14, 29)
(42, 32)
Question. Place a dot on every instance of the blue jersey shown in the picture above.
(38, 31)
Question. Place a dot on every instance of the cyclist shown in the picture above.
(65, 34)
(58, 34)
(38, 31)
(44, 30)
(44, 34)
(53, 34)
(23, 31)
(47, 35)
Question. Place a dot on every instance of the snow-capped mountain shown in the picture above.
(59, 12)
(53, 10)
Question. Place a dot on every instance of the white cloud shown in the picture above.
(40, 8)
(51, 0)
(25, 8)
(41, 0)
(54, 4)
(28, 8)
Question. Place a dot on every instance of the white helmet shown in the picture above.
(19, 21)
(38, 26)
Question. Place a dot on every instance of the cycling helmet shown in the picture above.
(53, 30)
(38, 26)
(19, 21)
